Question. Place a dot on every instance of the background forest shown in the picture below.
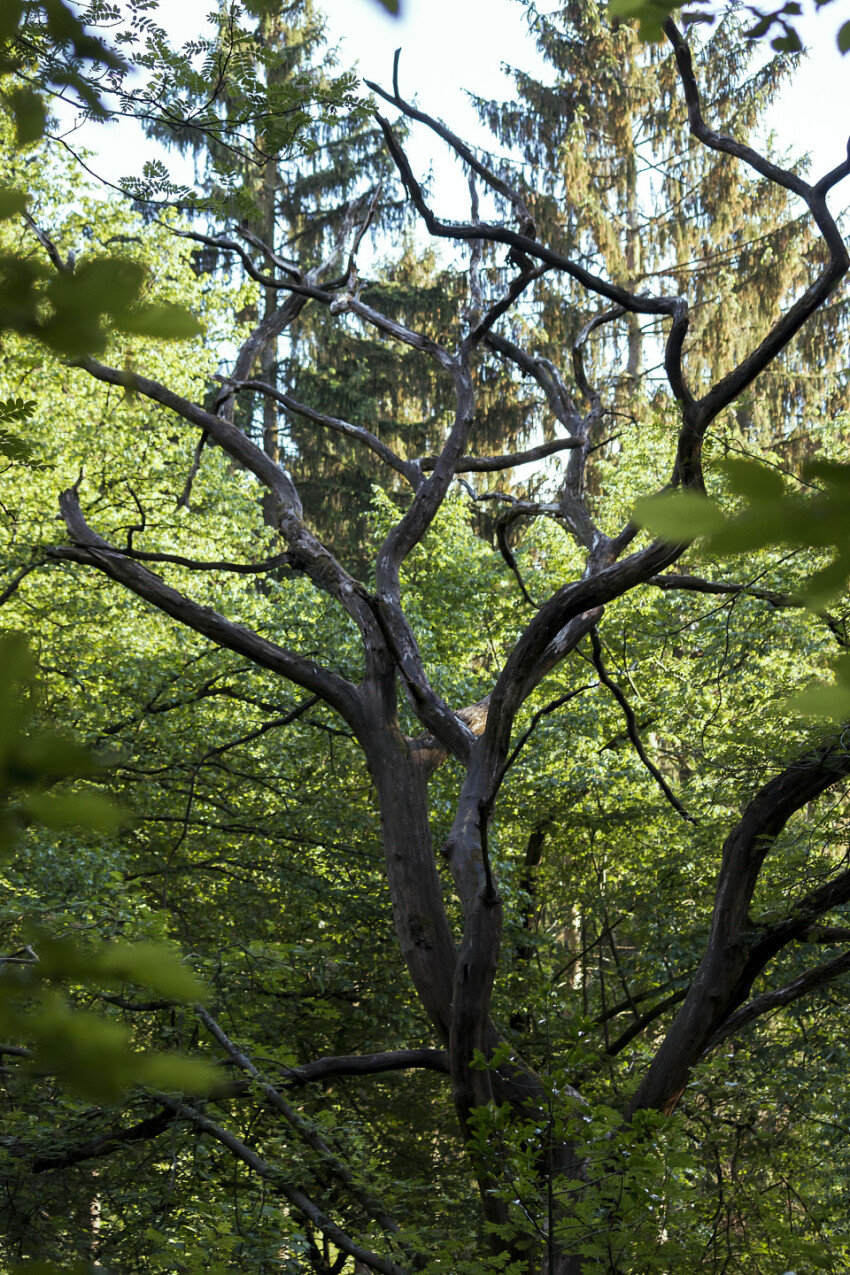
(408, 862)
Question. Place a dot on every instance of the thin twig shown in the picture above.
(632, 727)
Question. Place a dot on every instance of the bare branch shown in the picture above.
(223, 432)
(546, 375)
(559, 623)
(779, 998)
(523, 216)
(268, 281)
(367, 1065)
(736, 381)
(507, 552)
(411, 470)
(18, 579)
(538, 716)
(105, 1144)
(525, 247)
(695, 584)
(398, 331)
(197, 457)
(273, 324)
(598, 320)
(48, 245)
(515, 289)
(573, 506)
(306, 553)
(735, 954)
(492, 464)
(826, 934)
(304, 1128)
(193, 564)
(268, 329)
(280, 1180)
(92, 550)
(645, 1020)
(639, 303)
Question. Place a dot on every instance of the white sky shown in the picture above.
(450, 47)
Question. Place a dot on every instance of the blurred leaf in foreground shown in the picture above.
(770, 515)
(91, 1054)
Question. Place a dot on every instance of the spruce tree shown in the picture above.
(302, 204)
(299, 205)
(609, 182)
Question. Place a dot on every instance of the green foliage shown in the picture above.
(33, 761)
(53, 35)
(652, 14)
(92, 1056)
(602, 132)
(68, 311)
(771, 515)
(49, 1268)
(12, 445)
(62, 308)
(631, 1182)
(823, 700)
(254, 845)
(271, 104)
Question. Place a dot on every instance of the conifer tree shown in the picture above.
(307, 207)
(608, 180)
(302, 205)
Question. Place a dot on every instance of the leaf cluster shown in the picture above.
(775, 22)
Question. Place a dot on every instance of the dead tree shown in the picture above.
(453, 973)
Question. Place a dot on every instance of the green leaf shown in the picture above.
(168, 322)
(820, 700)
(753, 480)
(152, 965)
(177, 1073)
(823, 700)
(825, 585)
(788, 43)
(29, 113)
(15, 448)
(12, 203)
(16, 409)
(651, 14)
(11, 12)
(147, 964)
(762, 523)
(678, 515)
(829, 472)
(81, 810)
(843, 38)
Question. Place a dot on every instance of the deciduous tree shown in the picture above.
(601, 872)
